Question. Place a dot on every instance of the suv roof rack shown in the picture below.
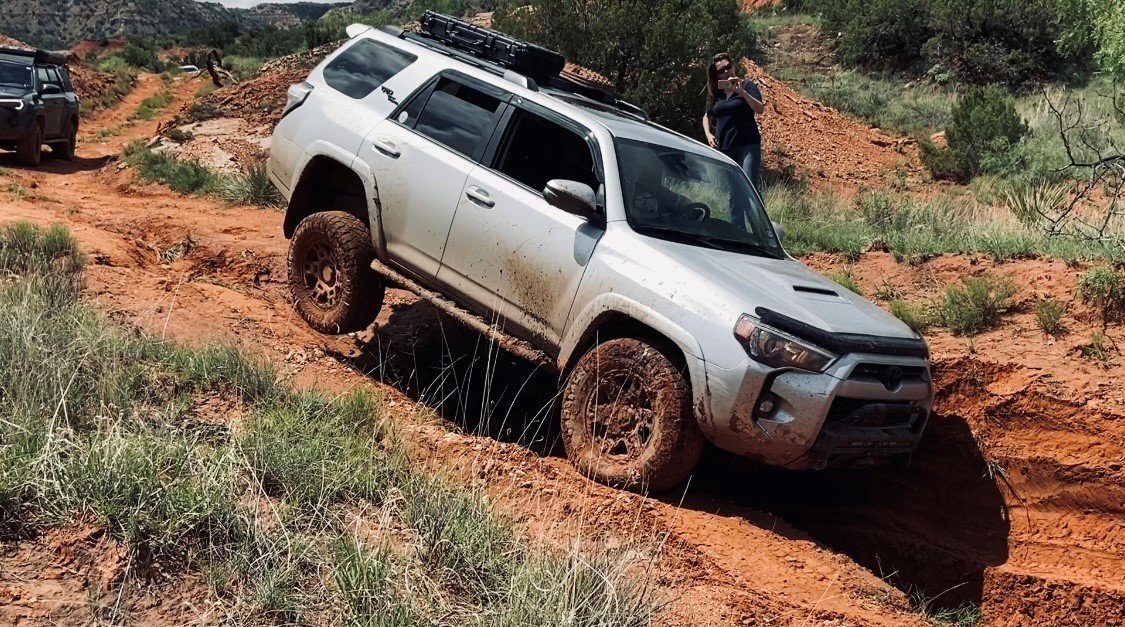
(517, 61)
(37, 56)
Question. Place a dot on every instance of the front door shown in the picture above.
(54, 105)
(509, 251)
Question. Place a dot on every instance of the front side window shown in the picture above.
(538, 150)
(459, 117)
(15, 74)
(363, 67)
(683, 196)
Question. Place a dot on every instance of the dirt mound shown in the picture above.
(96, 48)
(79, 576)
(14, 43)
(824, 145)
(88, 82)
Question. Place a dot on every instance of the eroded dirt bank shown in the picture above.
(1015, 501)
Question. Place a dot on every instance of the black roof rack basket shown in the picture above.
(528, 59)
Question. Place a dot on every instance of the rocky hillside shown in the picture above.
(59, 23)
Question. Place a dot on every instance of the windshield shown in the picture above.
(15, 74)
(686, 197)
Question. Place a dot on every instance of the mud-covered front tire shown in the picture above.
(627, 419)
(330, 276)
(29, 150)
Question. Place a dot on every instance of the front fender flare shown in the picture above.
(588, 320)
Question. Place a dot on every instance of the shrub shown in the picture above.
(655, 53)
(185, 177)
(1104, 289)
(1048, 315)
(251, 187)
(1096, 349)
(978, 41)
(975, 305)
(984, 131)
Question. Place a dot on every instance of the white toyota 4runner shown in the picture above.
(636, 263)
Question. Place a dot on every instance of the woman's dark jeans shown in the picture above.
(750, 158)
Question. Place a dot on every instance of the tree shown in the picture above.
(655, 53)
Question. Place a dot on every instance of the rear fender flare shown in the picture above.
(324, 150)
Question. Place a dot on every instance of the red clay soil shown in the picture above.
(1016, 500)
(830, 148)
(13, 43)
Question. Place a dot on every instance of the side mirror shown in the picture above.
(777, 228)
(572, 197)
(49, 90)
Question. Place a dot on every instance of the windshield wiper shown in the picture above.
(680, 236)
(717, 243)
(745, 246)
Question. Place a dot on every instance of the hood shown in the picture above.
(7, 91)
(742, 283)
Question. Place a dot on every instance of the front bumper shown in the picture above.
(865, 409)
(16, 125)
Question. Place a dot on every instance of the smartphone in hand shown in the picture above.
(731, 83)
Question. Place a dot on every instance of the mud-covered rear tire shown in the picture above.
(627, 419)
(330, 276)
(65, 150)
(29, 150)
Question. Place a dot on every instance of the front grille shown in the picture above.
(865, 414)
(889, 375)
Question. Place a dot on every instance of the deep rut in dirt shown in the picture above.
(1014, 500)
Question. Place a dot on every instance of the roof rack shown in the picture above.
(517, 61)
(38, 56)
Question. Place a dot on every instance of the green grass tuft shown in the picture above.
(975, 305)
(1048, 315)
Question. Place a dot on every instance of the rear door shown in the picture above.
(420, 158)
(510, 252)
(353, 91)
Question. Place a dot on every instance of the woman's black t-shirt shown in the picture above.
(735, 125)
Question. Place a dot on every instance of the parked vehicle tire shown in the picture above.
(627, 419)
(330, 276)
(30, 149)
(65, 150)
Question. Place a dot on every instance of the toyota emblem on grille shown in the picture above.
(892, 377)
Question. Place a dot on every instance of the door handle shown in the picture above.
(386, 147)
(479, 196)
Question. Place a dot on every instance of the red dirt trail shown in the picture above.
(1015, 502)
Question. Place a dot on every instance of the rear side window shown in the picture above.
(363, 67)
(459, 117)
(538, 150)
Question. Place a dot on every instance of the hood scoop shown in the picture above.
(808, 289)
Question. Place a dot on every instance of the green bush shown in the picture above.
(978, 41)
(1048, 315)
(975, 305)
(655, 53)
(1104, 289)
(983, 135)
(917, 317)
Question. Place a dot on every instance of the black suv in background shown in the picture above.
(37, 104)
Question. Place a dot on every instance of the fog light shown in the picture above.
(766, 405)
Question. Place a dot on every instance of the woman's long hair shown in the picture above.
(713, 78)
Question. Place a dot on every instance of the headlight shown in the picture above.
(778, 349)
(13, 103)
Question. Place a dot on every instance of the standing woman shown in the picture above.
(729, 122)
